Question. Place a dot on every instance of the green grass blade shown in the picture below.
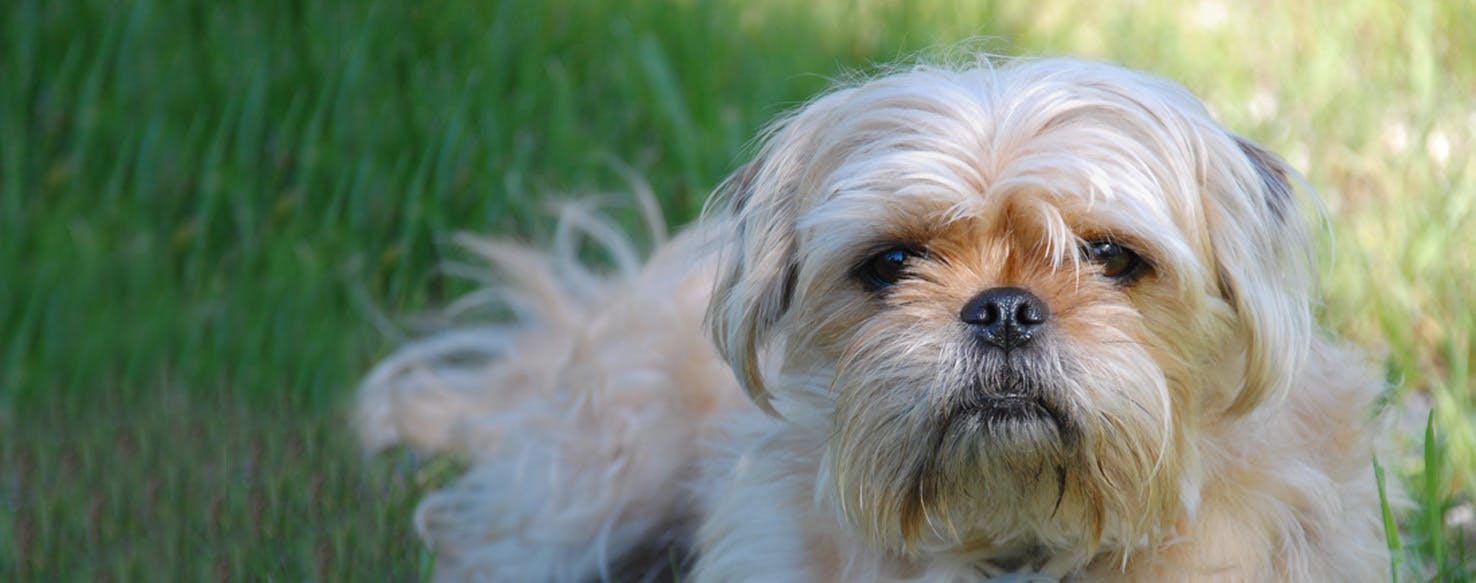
(1391, 528)
(1433, 498)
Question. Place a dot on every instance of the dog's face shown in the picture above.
(1015, 296)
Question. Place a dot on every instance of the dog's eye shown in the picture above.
(886, 268)
(1117, 262)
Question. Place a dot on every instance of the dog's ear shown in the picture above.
(1264, 264)
(756, 278)
(759, 267)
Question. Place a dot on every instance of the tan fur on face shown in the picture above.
(909, 475)
(1188, 423)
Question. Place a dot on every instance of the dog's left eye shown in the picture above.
(885, 269)
(1117, 262)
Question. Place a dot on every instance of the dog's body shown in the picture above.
(1041, 319)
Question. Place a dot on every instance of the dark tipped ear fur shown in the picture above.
(1274, 174)
(738, 187)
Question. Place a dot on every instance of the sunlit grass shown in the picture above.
(212, 217)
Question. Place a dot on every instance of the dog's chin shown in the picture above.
(999, 434)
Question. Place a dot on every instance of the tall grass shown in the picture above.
(213, 217)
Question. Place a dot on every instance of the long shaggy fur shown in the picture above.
(577, 419)
(1188, 423)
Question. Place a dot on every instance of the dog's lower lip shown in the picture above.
(1013, 404)
(1016, 406)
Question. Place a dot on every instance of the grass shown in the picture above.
(215, 216)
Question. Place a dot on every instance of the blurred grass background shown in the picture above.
(214, 216)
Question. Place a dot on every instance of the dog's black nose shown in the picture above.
(1005, 317)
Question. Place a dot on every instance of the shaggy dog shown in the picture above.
(1042, 320)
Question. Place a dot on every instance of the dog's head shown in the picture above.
(1015, 294)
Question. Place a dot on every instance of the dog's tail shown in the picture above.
(581, 420)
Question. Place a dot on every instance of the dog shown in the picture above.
(1029, 320)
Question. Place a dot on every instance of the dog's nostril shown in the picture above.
(990, 315)
(1005, 316)
(1029, 314)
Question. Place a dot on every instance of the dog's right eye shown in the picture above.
(885, 269)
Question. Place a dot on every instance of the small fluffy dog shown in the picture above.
(1041, 320)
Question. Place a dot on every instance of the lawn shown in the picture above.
(215, 216)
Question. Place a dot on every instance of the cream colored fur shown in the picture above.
(1201, 427)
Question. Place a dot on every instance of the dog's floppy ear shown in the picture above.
(759, 264)
(1264, 264)
(756, 279)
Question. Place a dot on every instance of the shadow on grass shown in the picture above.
(195, 489)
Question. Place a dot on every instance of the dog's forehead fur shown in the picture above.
(1100, 152)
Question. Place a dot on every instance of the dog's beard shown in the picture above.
(940, 443)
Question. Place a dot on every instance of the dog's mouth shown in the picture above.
(1014, 410)
(1021, 413)
(1010, 407)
